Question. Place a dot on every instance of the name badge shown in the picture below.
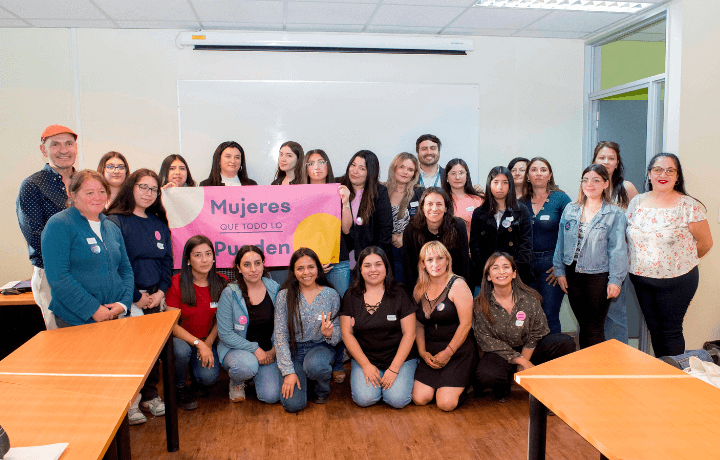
(510, 218)
(160, 246)
(546, 217)
(213, 304)
(519, 323)
(414, 204)
(470, 209)
(239, 327)
(92, 241)
(391, 318)
(320, 317)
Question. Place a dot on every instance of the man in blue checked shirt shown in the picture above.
(41, 196)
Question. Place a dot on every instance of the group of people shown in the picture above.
(414, 252)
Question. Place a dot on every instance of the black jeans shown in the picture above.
(664, 303)
(495, 372)
(587, 294)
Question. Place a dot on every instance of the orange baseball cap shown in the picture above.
(54, 130)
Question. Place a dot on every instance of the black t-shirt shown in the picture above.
(261, 319)
(379, 334)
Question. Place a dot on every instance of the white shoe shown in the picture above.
(155, 406)
(237, 392)
(135, 417)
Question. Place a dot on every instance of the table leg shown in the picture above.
(602, 457)
(123, 440)
(112, 452)
(171, 420)
(537, 430)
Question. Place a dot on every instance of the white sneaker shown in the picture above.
(155, 406)
(237, 392)
(135, 417)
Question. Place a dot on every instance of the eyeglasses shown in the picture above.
(144, 188)
(119, 168)
(311, 164)
(670, 172)
(457, 174)
(593, 181)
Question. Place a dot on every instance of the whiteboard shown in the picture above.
(337, 117)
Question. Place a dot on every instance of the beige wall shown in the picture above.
(530, 97)
(699, 139)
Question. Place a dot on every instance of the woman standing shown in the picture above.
(667, 232)
(459, 186)
(195, 291)
(114, 167)
(378, 327)
(591, 254)
(85, 259)
(435, 222)
(175, 172)
(547, 203)
(246, 318)
(139, 213)
(510, 327)
(518, 167)
(620, 192)
(443, 323)
(228, 167)
(404, 193)
(291, 162)
(369, 205)
(306, 331)
(502, 224)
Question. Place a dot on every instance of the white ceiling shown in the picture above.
(425, 17)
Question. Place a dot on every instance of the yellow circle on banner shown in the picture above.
(321, 233)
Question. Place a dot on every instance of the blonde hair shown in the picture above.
(423, 282)
(391, 183)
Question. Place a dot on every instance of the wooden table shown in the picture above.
(111, 359)
(625, 403)
(20, 320)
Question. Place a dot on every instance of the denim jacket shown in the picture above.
(603, 249)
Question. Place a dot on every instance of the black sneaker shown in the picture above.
(321, 399)
(186, 399)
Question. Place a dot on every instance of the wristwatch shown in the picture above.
(195, 343)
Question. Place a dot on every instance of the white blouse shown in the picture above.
(659, 239)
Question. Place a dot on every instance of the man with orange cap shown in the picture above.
(42, 195)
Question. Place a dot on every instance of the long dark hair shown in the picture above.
(468, 188)
(482, 301)
(679, 184)
(528, 193)
(124, 203)
(617, 182)
(370, 190)
(108, 156)
(215, 176)
(358, 286)
(601, 171)
(293, 291)
(238, 276)
(448, 225)
(216, 283)
(330, 178)
(490, 204)
(165, 170)
(299, 164)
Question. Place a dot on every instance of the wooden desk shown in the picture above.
(625, 403)
(20, 320)
(25, 298)
(110, 359)
(38, 416)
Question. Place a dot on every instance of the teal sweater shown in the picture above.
(83, 271)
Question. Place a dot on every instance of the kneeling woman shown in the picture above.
(246, 316)
(306, 330)
(510, 327)
(195, 292)
(378, 328)
(443, 323)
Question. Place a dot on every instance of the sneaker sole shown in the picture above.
(137, 421)
(237, 400)
(189, 406)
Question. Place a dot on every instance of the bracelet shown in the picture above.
(393, 371)
(451, 349)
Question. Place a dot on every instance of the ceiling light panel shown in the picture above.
(574, 5)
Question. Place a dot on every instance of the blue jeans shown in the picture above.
(243, 365)
(398, 267)
(616, 321)
(398, 395)
(684, 359)
(339, 276)
(552, 295)
(278, 274)
(186, 355)
(312, 360)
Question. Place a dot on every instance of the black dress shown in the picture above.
(440, 329)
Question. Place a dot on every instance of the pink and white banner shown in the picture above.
(278, 218)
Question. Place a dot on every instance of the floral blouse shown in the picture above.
(659, 239)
